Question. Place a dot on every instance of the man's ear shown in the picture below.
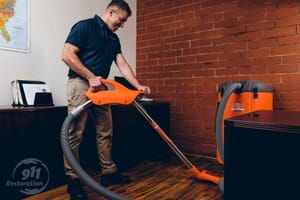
(111, 11)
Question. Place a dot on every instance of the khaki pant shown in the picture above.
(76, 89)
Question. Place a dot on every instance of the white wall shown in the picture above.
(50, 24)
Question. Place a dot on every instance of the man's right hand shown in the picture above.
(95, 83)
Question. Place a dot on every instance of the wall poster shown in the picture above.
(14, 25)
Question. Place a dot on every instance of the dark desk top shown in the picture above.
(274, 120)
(9, 108)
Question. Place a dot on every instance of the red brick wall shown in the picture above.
(185, 48)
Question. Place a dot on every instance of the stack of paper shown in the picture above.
(24, 91)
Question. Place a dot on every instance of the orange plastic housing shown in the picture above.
(119, 95)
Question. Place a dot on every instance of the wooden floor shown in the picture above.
(162, 179)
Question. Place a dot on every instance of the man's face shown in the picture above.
(117, 19)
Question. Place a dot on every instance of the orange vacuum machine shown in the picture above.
(240, 97)
(237, 97)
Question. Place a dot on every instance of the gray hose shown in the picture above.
(221, 185)
(76, 167)
(219, 122)
(219, 117)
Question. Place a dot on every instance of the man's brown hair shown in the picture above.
(123, 5)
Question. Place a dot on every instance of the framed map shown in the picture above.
(14, 25)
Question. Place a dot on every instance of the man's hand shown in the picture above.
(144, 89)
(95, 83)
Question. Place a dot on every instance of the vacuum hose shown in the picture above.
(220, 114)
(219, 122)
(74, 163)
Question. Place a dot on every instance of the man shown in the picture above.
(89, 50)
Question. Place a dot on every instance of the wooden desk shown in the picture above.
(262, 152)
(30, 133)
(34, 132)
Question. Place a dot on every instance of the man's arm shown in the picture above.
(128, 74)
(69, 56)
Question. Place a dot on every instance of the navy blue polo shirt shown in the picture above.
(98, 46)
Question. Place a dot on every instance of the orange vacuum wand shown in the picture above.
(203, 174)
(123, 95)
